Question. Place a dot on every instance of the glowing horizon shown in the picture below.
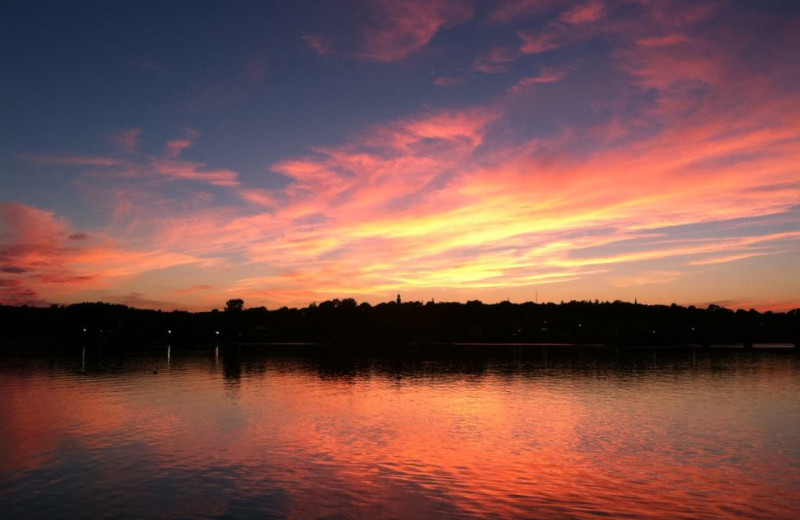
(443, 149)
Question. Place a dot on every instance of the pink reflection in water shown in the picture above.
(273, 437)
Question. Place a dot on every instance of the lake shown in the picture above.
(261, 432)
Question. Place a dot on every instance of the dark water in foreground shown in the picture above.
(245, 433)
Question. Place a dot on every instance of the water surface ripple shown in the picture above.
(237, 432)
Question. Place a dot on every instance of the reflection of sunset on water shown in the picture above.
(297, 439)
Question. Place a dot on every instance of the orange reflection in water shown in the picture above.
(292, 439)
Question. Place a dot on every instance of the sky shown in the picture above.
(178, 154)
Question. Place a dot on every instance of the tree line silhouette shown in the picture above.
(346, 322)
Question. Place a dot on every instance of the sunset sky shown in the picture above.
(179, 154)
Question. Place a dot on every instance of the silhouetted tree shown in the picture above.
(236, 305)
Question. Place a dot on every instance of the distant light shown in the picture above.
(654, 332)
(580, 325)
(216, 332)
(169, 332)
(84, 330)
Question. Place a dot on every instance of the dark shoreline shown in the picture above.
(344, 324)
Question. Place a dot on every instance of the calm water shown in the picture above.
(542, 433)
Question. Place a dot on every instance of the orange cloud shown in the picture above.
(41, 260)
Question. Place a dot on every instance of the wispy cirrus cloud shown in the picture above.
(319, 44)
(539, 42)
(505, 11)
(71, 160)
(655, 24)
(126, 140)
(168, 167)
(663, 41)
(581, 22)
(402, 28)
(571, 25)
(397, 29)
(174, 169)
(448, 81)
(586, 12)
(546, 75)
(495, 61)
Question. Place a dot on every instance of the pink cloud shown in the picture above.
(537, 43)
(496, 61)
(675, 14)
(505, 11)
(587, 12)
(318, 44)
(446, 81)
(663, 41)
(389, 157)
(401, 28)
(30, 226)
(185, 170)
(568, 28)
(546, 75)
(169, 167)
(393, 30)
(176, 147)
(50, 264)
(127, 140)
(260, 197)
(597, 19)
(72, 160)
(660, 67)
